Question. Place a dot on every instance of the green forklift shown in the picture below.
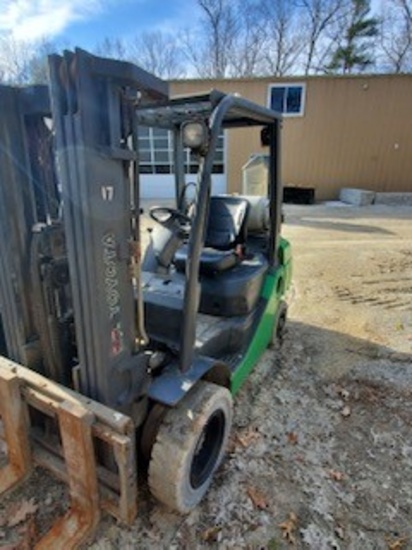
(151, 341)
(213, 279)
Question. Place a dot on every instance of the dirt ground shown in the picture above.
(321, 453)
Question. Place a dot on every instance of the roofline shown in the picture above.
(293, 78)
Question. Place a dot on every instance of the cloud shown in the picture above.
(33, 19)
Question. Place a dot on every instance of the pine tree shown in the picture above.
(354, 51)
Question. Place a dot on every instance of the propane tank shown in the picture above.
(258, 217)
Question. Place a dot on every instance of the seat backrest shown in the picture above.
(227, 225)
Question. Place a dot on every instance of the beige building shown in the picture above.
(348, 131)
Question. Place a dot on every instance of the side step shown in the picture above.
(83, 426)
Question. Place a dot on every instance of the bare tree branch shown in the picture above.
(211, 45)
(158, 53)
(114, 48)
(247, 57)
(238, 38)
(396, 31)
(14, 60)
(318, 16)
(284, 44)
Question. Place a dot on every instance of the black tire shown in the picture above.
(279, 325)
(190, 445)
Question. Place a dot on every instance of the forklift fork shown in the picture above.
(82, 425)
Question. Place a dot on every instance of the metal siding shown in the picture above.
(346, 137)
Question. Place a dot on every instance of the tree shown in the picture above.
(15, 58)
(317, 17)
(354, 50)
(396, 30)
(209, 47)
(284, 44)
(37, 64)
(158, 53)
(247, 56)
(113, 48)
(242, 38)
(24, 62)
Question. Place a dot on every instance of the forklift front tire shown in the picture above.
(190, 445)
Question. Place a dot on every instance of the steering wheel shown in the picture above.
(167, 216)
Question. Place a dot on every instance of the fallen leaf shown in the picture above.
(397, 544)
(25, 509)
(335, 475)
(339, 532)
(292, 438)
(288, 527)
(247, 437)
(346, 411)
(257, 497)
(210, 534)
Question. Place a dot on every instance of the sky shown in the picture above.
(86, 23)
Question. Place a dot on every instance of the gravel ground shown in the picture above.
(321, 452)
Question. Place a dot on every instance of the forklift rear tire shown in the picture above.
(190, 445)
(279, 325)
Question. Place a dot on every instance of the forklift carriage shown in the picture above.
(116, 356)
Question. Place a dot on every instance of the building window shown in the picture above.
(288, 99)
(156, 153)
(155, 148)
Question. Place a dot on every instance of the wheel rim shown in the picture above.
(207, 449)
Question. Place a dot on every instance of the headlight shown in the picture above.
(194, 135)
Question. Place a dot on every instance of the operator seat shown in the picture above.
(226, 231)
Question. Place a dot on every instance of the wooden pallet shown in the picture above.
(71, 456)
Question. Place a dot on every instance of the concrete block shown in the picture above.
(394, 199)
(357, 197)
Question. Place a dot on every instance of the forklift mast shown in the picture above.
(93, 102)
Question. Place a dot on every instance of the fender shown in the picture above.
(172, 385)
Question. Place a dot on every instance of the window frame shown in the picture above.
(289, 84)
(154, 166)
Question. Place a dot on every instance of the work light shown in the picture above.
(194, 135)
